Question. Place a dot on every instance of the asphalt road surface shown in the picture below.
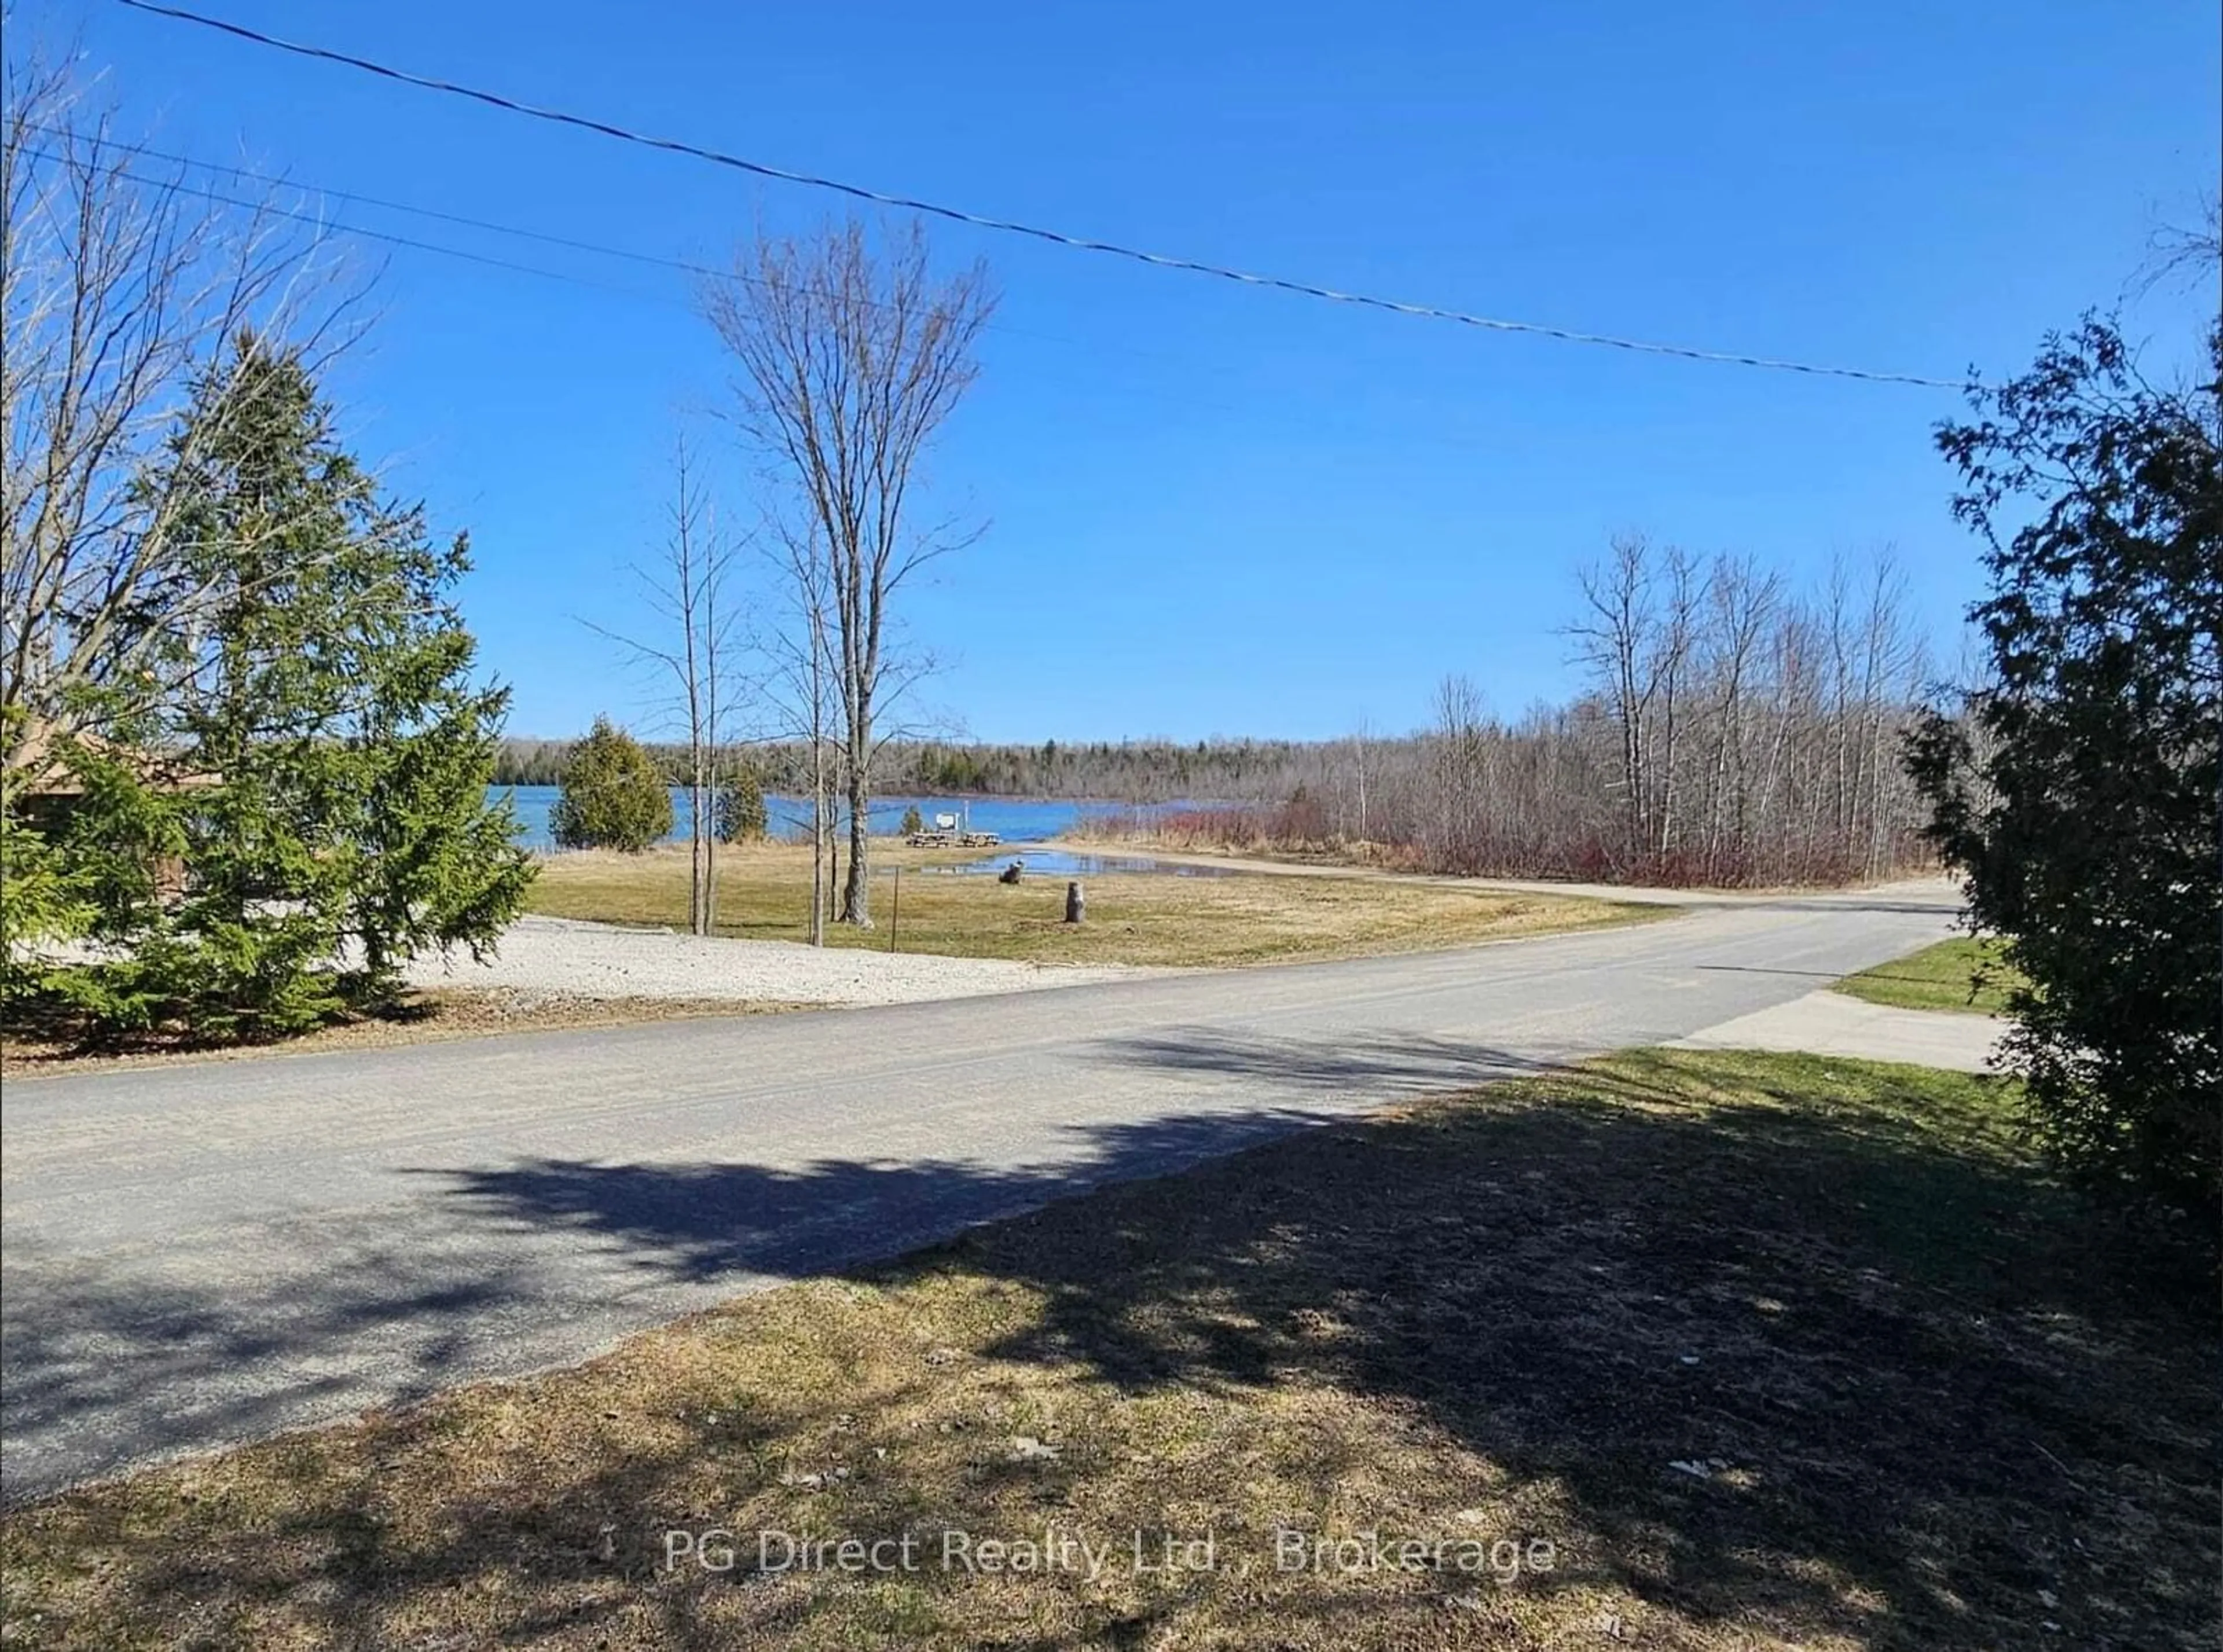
(197, 1254)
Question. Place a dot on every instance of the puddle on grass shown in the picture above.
(1058, 863)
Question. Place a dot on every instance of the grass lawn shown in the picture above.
(1966, 973)
(1732, 1351)
(764, 893)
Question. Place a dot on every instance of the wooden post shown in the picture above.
(1076, 904)
(895, 909)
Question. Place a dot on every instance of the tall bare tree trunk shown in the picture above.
(817, 842)
(821, 824)
(1672, 650)
(1618, 637)
(685, 589)
(855, 902)
(850, 363)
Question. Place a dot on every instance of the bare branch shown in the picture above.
(124, 295)
(849, 362)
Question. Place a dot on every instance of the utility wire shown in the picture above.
(602, 249)
(1007, 226)
(319, 221)
(335, 226)
(467, 221)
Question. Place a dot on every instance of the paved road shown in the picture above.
(205, 1254)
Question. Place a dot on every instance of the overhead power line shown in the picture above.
(267, 180)
(335, 226)
(1007, 226)
(327, 225)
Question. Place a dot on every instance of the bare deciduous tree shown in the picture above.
(849, 362)
(801, 687)
(1461, 737)
(1742, 603)
(1360, 737)
(122, 291)
(1624, 640)
(2184, 254)
(1671, 655)
(697, 647)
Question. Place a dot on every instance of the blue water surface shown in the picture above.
(1015, 819)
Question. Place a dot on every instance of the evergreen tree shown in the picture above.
(740, 815)
(321, 778)
(2081, 790)
(614, 796)
(43, 898)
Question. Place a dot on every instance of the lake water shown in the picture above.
(1016, 821)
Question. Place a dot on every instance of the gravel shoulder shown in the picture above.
(579, 959)
(436, 1015)
(553, 973)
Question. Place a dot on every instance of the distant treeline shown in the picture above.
(1126, 771)
(1737, 731)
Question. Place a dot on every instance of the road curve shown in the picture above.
(199, 1255)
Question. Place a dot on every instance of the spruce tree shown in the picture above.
(322, 776)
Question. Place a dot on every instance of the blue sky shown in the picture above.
(1213, 510)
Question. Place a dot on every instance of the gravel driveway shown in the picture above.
(590, 960)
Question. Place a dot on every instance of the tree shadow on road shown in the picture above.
(102, 1372)
(699, 1221)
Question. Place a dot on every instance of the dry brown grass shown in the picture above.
(1927, 1408)
(420, 1017)
(1133, 918)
